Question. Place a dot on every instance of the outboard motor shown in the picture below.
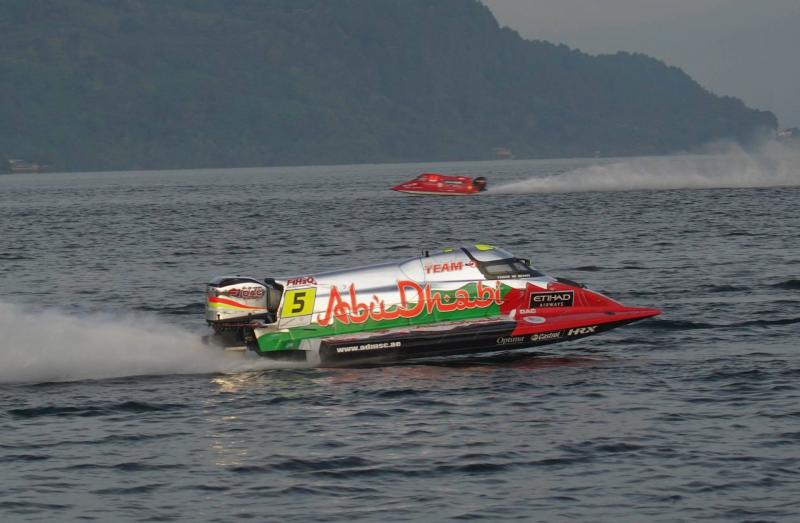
(235, 305)
(480, 183)
(234, 298)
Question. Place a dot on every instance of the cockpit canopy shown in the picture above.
(447, 179)
(508, 268)
(496, 264)
(476, 262)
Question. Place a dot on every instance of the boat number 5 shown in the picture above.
(298, 302)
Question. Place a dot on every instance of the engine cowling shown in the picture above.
(235, 298)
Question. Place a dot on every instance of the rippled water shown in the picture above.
(111, 409)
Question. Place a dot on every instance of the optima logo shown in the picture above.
(544, 300)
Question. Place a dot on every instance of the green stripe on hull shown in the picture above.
(291, 338)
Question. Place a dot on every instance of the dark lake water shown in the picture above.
(111, 409)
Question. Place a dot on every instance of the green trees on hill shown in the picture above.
(125, 84)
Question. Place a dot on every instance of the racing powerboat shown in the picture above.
(435, 184)
(451, 302)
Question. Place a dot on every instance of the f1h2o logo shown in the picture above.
(298, 302)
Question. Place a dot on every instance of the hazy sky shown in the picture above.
(744, 48)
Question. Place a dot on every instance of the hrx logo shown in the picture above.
(582, 330)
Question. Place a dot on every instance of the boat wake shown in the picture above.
(774, 165)
(49, 345)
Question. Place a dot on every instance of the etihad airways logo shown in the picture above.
(544, 300)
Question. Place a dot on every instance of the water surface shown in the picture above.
(111, 409)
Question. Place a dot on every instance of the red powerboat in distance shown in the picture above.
(435, 184)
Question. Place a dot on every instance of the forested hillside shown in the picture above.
(126, 84)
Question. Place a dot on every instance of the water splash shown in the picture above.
(774, 165)
(49, 345)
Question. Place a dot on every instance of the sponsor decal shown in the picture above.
(534, 320)
(543, 300)
(224, 303)
(542, 336)
(510, 276)
(527, 311)
(503, 340)
(415, 299)
(245, 293)
(303, 280)
(370, 346)
(447, 267)
(298, 302)
(581, 330)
